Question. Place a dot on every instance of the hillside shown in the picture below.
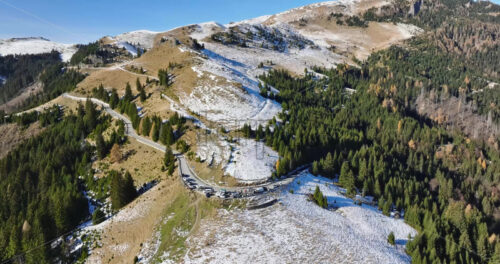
(35, 46)
(349, 131)
(214, 67)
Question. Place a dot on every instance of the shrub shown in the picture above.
(391, 239)
(98, 216)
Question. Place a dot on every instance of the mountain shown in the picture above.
(35, 45)
(356, 131)
(222, 75)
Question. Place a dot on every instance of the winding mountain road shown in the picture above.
(184, 169)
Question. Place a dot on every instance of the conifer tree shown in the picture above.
(167, 134)
(113, 99)
(138, 85)
(122, 189)
(169, 158)
(391, 239)
(128, 97)
(146, 126)
(156, 131)
(142, 95)
(100, 146)
(347, 178)
(315, 168)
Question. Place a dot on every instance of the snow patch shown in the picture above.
(232, 102)
(141, 38)
(120, 248)
(280, 233)
(36, 46)
(251, 161)
(127, 46)
(213, 151)
(205, 30)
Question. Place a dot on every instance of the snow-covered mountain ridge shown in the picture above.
(35, 45)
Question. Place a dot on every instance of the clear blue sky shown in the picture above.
(81, 21)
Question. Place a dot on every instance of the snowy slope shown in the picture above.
(246, 160)
(35, 46)
(298, 231)
(251, 161)
(313, 23)
(141, 38)
(125, 45)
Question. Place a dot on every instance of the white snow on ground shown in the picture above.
(233, 100)
(142, 38)
(245, 159)
(274, 38)
(205, 30)
(252, 21)
(213, 151)
(246, 60)
(183, 112)
(35, 46)
(149, 248)
(2, 79)
(120, 248)
(131, 41)
(125, 45)
(298, 231)
(251, 161)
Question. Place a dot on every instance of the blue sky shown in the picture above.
(72, 21)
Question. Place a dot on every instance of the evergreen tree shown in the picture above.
(169, 158)
(138, 85)
(156, 131)
(146, 126)
(91, 115)
(98, 216)
(167, 134)
(315, 168)
(100, 146)
(114, 99)
(328, 166)
(347, 178)
(128, 97)
(391, 239)
(122, 189)
(319, 198)
(142, 95)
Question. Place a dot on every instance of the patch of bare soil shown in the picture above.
(68, 105)
(357, 41)
(123, 236)
(11, 135)
(13, 104)
(143, 162)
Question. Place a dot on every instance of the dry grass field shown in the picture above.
(11, 135)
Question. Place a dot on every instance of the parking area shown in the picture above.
(194, 183)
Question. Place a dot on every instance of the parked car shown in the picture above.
(259, 190)
(222, 194)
